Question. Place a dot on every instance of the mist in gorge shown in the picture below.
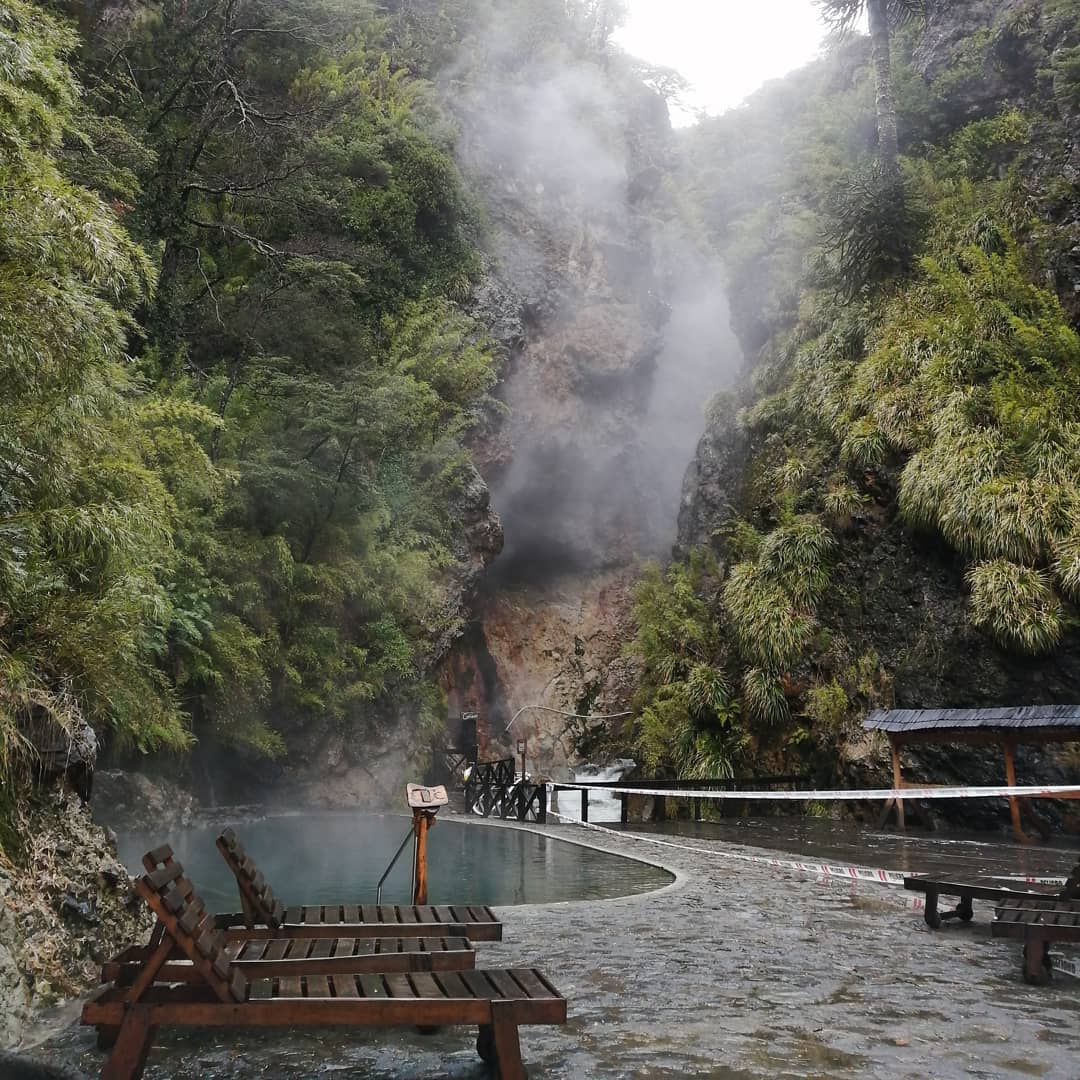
(625, 324)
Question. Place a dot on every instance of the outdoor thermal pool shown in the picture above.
(318, 858)
(738, 971)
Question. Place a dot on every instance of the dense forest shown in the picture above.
(237, 371)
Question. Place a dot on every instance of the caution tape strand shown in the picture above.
(843, 795)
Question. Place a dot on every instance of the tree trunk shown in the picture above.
(886, 101)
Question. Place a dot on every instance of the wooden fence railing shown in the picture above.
(493, 790)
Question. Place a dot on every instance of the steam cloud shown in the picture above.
(628, 333)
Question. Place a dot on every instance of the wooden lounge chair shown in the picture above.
(981, 890)
(1037, 924)
(220, 993)
(263, 913)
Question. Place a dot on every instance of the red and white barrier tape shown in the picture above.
(825, 870)
(870, 794)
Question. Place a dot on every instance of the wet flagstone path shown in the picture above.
(735, 972)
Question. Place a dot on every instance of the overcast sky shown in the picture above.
(726, 48)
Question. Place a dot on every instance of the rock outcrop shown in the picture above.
(599, 300)
(66, 905)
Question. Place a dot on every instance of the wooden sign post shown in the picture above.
(425, 803)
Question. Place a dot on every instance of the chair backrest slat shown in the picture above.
(255, 891)
(177, 905)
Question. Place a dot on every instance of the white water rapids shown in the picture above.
(603, 806)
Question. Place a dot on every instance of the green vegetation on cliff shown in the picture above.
(915, 368)
(235, 378)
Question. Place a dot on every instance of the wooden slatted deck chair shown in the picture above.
(263, 913)
(1037, 923)
(982, 890)
(221, 994)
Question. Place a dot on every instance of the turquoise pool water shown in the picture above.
(326, 857)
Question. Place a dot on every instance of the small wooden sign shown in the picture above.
(426, 798)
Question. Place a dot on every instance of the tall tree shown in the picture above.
(883, 17)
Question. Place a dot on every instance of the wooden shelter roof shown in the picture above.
(1017, 719)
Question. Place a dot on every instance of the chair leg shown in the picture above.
(1038, 970)
(106, 1036)
(132, 1048)
(507, 1045)
(930, 911)
(485, 1044)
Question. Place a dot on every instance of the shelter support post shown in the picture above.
(1010, 779)
(898, 781)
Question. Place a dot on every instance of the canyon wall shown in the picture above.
(617, 331)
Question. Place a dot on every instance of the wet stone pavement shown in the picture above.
(736, 971)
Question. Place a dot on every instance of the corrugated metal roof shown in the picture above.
(1024, 716)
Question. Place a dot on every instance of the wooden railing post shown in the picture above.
(422, 821)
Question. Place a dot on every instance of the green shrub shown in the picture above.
(1016, 604)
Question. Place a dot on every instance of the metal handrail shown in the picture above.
(393, 863)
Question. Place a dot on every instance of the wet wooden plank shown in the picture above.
(508, 988)
(313, 913)
(532, 984)
(452, 985)
(369, 913)
(399, 986)
(479, 983)
(322, 948)
(289, 987)
(294, 915)
(260, 989)
(344, 985)
(344, 946)
(425, 985)
(318, 986)
(351, 913)
(372, 986)
(277, 948)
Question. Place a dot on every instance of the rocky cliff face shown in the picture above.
(617, 333)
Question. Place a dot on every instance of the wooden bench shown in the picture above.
(264, 914)
(218, 992)
(1037, 924)
(968, 891)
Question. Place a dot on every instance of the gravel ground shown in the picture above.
(736, 970)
